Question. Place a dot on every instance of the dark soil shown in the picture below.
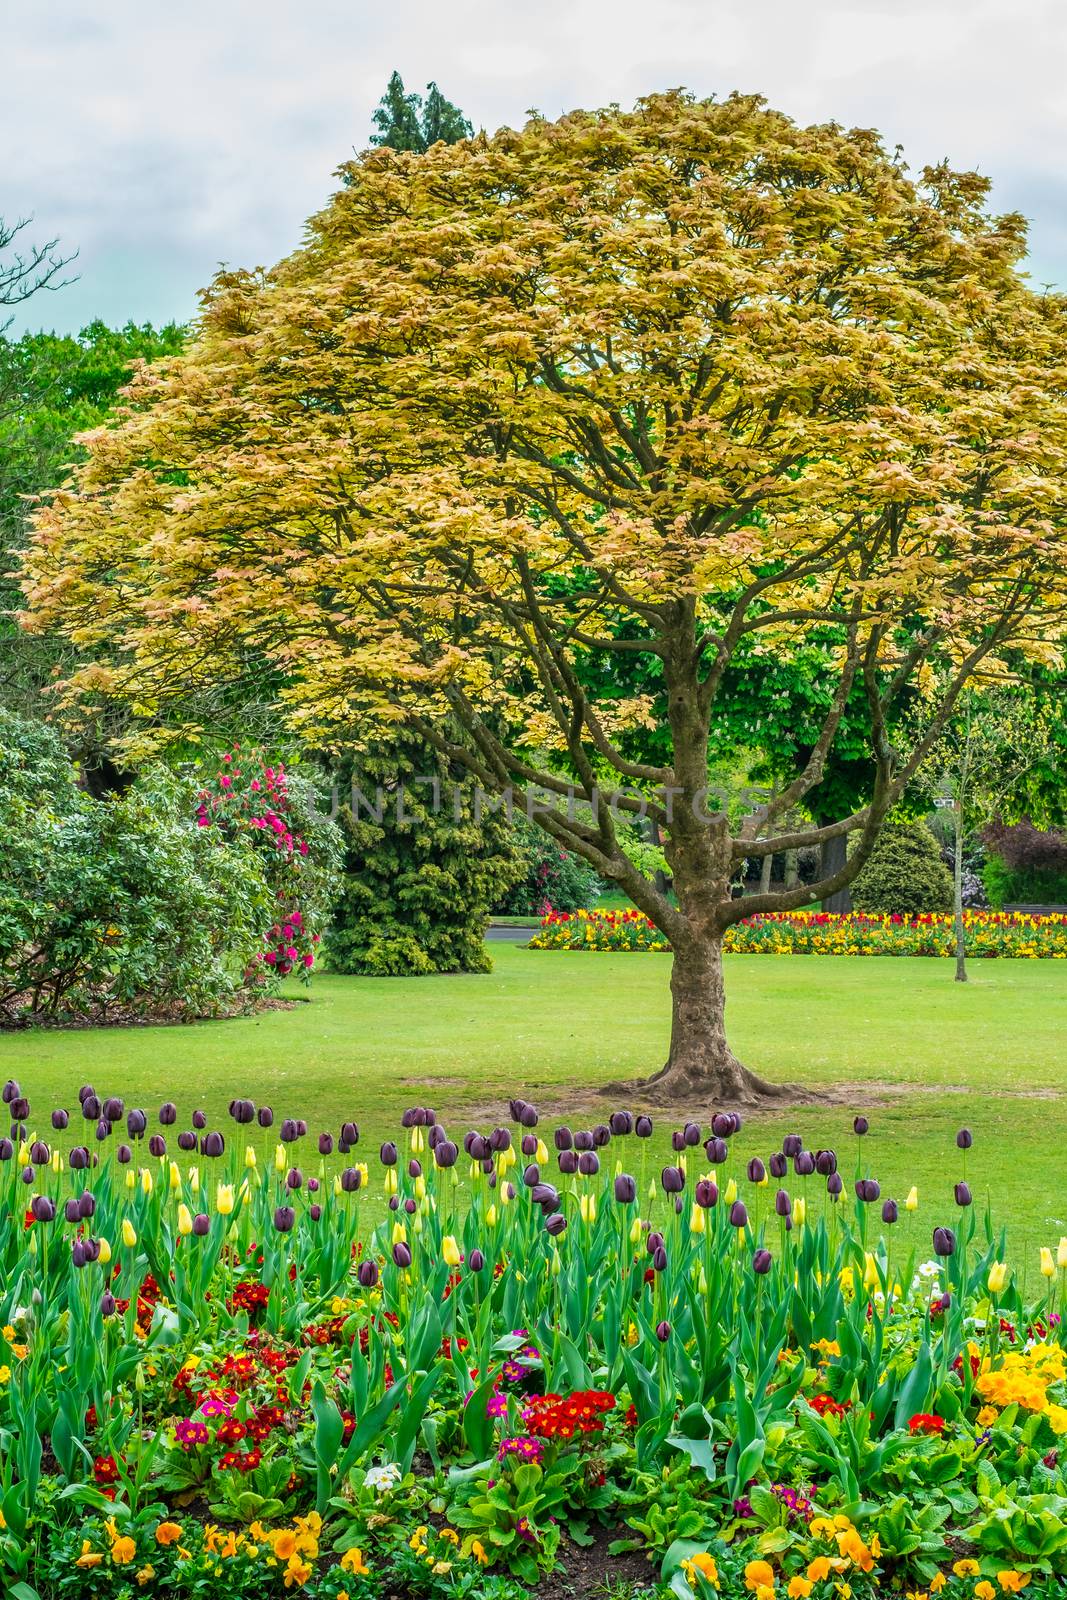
(588, 1569)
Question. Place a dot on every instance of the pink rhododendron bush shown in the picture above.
(251, 1360)
(176, 898)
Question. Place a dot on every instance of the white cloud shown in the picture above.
(160, 139)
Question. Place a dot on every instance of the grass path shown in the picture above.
(991, 1054)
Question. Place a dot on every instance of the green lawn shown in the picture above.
(991, 1054)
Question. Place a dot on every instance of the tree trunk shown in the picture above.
(765, 873)
(957, 894)
(792, 868)
(701, 1068)
(834, 856)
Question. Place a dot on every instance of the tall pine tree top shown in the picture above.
(407, 122)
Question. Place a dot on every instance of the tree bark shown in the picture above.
(957, 894)
(701, 1068)
(834, 856)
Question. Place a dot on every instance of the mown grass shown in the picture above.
(893, 1036)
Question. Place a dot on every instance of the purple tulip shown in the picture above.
(199, 1120)
(529, 1145)
(294, 1178)
(625, 1189)
(123, 1154)
(835, 1185)
(672, 1179)
(284, 1217)
(738, 1214)
(777, 1165)
(60, 1119)
(43, 1208)
(40, 1154)
(761, 1262)
(528, 1116)
(963, 1194)
(568, 1162)
(825, 1162)
(706, 1193)
(187, 1139)
(86, 1089)
(678, 1141)
(659, 1259)
(964, 1139)
(265, 1118)
(792, 1145)
(545, 1195)
(387, 1155)
(325, 1144)
(108, 1306)
(79, 1156)
(782, 1203)
(212, 1144)
(653, 1241)
(643, 1127)
(588, 1163)
(860, 1126)
(351, 1178)
(621, 1122)
(663, 1331)
(414, 1168)
(242, 1111)
(90, 1108)
(756, 1170)
(804, 1164)
(867, 1190)
(201, 1225)
(71, 1212)
(500, 1140)
(601, 1136)
(563, 1139)
(9, 1092)
(890, 1212)
(555, 1224)
(722, 1125)
(531, 1175)
(401, 1254)
(113, 1108)
(289, 1132)
(944, 1242)
(476, 1261)
(583, 1140)
(445, 1153)
(716, 1150)
(103, 1129)
(168, 1114)
(157, 1145)
(315, 1212)
(136, 1123)
(367, 1273)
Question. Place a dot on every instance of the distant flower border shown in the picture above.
(988, 934)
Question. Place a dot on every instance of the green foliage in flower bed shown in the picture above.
(247, 1361)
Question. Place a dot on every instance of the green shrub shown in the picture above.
(552, 878)
(422, 869)
(904, 873)
(120, 907)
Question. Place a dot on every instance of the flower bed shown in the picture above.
(244, 1363)
(822, 933)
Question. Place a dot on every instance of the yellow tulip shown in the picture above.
(194, 1180)
(541, 1153)
(1061, 1252)
(224, 1199)
(129, 1234)
(587, 1207)
(450, 1250)
(250, 1155)
(800, 1211)
(998, 1276)
(636, 1231)
(146, 1180)
(420, 1188)
(912, 1202)
(175, 1176)
(490, 1217)
(399, 1233)
(185, 1220)
(131, 1180)
(280, 1162)
(390, 1184)
(1048, 1265)
(105, 1252)
(698, 1221)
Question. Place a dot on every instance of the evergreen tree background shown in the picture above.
(407, 122)
(419, 883)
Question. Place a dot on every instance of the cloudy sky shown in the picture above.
(159, 139)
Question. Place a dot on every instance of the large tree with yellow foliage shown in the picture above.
(687, 386)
